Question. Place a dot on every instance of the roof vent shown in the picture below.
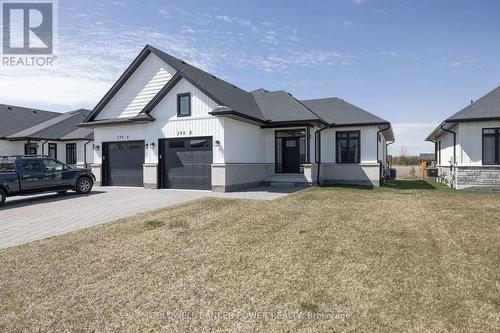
(214, 76)
(183, 62)
(9, 107)
(34, 111)
(471, 101)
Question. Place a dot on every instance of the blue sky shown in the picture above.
(413, 63)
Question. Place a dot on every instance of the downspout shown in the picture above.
(378, 161)
(453, 166)
(85, 153)
(43, 143)
(454, 143)
(317, 155)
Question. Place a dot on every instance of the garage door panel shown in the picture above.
(124, 163)
(187, 163)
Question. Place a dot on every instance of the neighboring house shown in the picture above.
(468, 144)
(168, 124)
(25, 131)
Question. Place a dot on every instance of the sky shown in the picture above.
(413, 63)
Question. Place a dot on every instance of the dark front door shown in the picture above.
(291, 155)
(186, 163)
(123, 163)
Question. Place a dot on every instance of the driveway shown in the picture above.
(25, 219)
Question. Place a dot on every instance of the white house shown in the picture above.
(25, 131)
(168, 124)
(468, 144)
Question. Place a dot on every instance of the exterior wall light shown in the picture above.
(96, 147)
(152, 145)
(216, 143)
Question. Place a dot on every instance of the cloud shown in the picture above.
(359, 1)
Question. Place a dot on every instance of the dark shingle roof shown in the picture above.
(427, 157)
(339, 112)
(14, 118)
(224, 93)
(57, 128)
(487, 107)
(281, 106)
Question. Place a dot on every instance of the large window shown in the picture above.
(348, 147)
(184, 105)
(71, 153)
(491, 146)
(53, 150)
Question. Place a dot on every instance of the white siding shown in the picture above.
(368, 143)
(245, 143)
(470, 141)
(446, 148)
(168, 125)
(11, 147)
(139, 89)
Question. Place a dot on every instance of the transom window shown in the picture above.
(184, 105)
(348, 147)
(491, 146)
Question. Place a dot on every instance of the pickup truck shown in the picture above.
(30, 174)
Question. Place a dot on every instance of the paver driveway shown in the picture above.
(24, 219)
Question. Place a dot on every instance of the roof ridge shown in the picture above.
(27, 109)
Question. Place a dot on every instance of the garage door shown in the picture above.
(186, 163)
(123, 163)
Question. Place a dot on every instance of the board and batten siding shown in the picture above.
(168, 125)
(368, 143)
(470, 142)
(139, 89)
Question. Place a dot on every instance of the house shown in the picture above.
(427, 161)
(168, 124)
(31, 132)
(468, 144)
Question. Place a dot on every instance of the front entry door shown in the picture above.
(291, 155)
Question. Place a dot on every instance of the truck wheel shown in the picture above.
(2, 197)
(84, 185)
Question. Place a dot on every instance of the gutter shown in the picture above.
(454, 143)
(317, 145)
(85, 153)
(378, 161)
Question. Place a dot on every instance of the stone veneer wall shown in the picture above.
(483, 176)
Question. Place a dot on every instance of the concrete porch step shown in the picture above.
(287, 180)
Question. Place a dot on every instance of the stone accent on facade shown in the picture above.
(481, 176)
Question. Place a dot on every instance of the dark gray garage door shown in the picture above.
(123, 163)
(186, 163)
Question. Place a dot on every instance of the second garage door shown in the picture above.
(186, 163)
(123, 163)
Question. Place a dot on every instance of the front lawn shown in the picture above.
(406, 257)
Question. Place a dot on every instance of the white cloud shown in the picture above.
(359, 1)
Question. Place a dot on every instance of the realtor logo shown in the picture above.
(29, 29)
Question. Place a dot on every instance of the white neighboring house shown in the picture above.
(468, 144)
(25, 131)
(168, 124)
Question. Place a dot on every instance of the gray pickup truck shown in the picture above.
(24, 175)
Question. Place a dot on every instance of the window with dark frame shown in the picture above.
(491, 146)
(53, 150)
(348, 147)
(31, 149)
(71, 153)
(439, 152)
(184, 105)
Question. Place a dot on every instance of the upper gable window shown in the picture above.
(184, 105)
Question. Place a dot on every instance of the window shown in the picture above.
(184, 105)
(53, 150)
(348, 147)
(52, 165)
(71, 153)
(491, 146)
(32, 166)
(31, 149)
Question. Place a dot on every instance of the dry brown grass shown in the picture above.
(322, 259)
